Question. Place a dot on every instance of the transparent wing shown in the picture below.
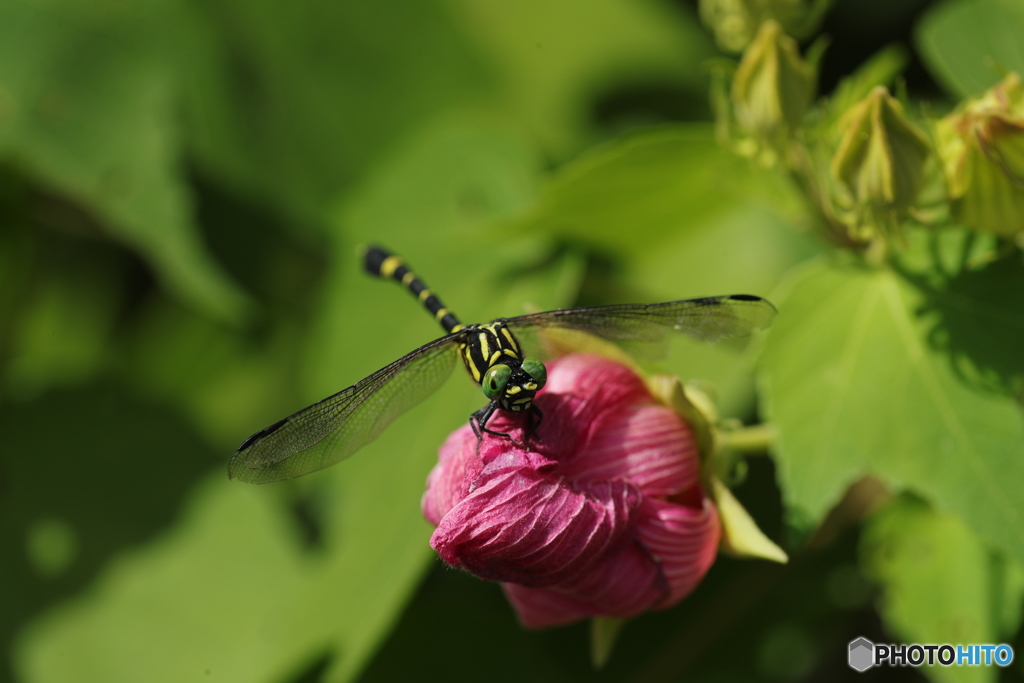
(336, 427)
(643, 329)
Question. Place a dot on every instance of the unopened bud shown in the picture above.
(735, 22)
(982, 150)
(880, 162)
(773, 88)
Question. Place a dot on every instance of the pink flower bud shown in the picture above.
(603, 515)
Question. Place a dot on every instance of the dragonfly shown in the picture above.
(334, 428)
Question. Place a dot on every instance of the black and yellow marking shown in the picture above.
(492, 344)
(481, 347)
(334, 428)
(384, 264)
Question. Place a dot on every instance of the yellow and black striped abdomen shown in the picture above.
(382, 263)
(485, 346)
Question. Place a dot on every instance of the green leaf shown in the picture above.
(969, 44)
(218, 378)
(551, 59)
(212, 589)
(110, 477)
(631, 196)
(292, 102)
(87, 108)
(685, 218)
(654, 192)
(62, 315)
(881, 69)
(940, 583)
(854, 384)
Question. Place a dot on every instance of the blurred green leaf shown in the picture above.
(746, 250)
(550, 59)
(881, 69)
(636, 195)
(294, 100)
(969, 44)
(217, 378)
(51, 546)
(855, 387)
(85, 473)
(630, 196)
(684, 218)
(87, 107)
(190, 606)
(940, 583)
(63, 325)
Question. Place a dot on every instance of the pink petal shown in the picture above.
(624, 584)
(673, 549)
(602, 514)
(520, 524)
(458, 465)
(543, 608)
(683, 538)
(647, 445)
(596, 380)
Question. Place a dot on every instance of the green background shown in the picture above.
(183, 188)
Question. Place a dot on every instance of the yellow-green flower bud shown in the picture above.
(880, 162)
(772, 89)
(735, 22)
(982, 150)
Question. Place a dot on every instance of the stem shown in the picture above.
(753, 440)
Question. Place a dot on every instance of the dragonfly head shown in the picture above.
(514, 386)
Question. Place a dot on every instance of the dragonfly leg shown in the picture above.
(534, 411)
(479, 419)
(531, 428)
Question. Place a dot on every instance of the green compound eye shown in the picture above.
(495, 380)
(535, 369)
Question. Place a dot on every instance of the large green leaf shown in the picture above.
(940, 584)
(57, 311)
(87, 108)
(968, 44)
(293, 101)
(87, 473)
(190, 606)
(632, 195)
(858, 381)
(221, 380)
(550, 59)
(684, 218)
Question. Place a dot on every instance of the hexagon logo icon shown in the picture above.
(862, 654)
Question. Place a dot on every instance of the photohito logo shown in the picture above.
(863, 654)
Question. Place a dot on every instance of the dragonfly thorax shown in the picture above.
(485, 346)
